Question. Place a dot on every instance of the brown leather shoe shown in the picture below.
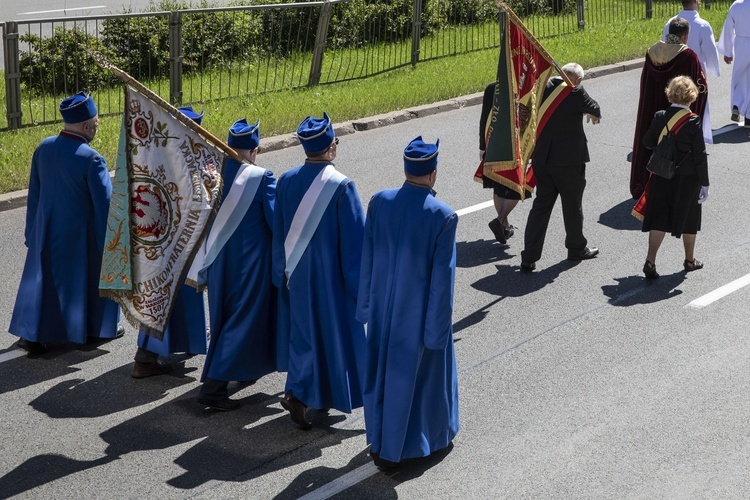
(297, 410)
(143, 370)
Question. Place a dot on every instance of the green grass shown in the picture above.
(281, 112)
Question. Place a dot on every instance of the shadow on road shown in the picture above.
(480, 252)
(618, 217)
(109, 393)
(632, 290)
(736, 136)
(379, 486)
(58, 361)
(509, 281)
(233, 446)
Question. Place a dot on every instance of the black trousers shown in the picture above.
(567, 182)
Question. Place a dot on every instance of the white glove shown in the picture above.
(591, 118)
(703, 195)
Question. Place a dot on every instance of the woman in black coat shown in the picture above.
(674, 205)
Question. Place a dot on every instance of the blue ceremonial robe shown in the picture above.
(406, 298)
(186, 328)
(241, 297)
(66, 223)
(326, 342)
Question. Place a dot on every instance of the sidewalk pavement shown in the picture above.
(17, 199)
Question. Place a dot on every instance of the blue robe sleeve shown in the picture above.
(439, 317)
(32, 200)
(365, 274)
(269, 197)
(100, 189)
(278, 258)
(351, 217)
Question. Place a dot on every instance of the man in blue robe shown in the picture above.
(186, 329)
(406, 299)
(241, 297)
(66, 223)
(317, 246)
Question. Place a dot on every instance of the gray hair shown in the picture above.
(573, 70)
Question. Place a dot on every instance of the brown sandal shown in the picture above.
(649, 270)
(692, 265)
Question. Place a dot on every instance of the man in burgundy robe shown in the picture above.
(664, 61)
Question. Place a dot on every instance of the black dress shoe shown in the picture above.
(747, 121)
(510, 231)
(382, 463)
(649, 270)
(498, 230)
(528, 266)
(224, 404)
(33, 348)
(143, 370)
(585, 254)
(297, 410)
(735, 114)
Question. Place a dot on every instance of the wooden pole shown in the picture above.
(129, 80)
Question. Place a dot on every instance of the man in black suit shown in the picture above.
(559, 162)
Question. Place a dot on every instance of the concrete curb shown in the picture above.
(17, 199)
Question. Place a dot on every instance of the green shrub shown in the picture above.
(57, 64)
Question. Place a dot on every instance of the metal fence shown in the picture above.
(198, 55)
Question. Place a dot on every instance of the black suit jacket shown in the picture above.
(563, 142)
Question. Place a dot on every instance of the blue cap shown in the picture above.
(316, 134)
(78, 108)
(188, 111)
(420, 158)
(244, 136)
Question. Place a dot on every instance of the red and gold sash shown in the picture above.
(673, 125)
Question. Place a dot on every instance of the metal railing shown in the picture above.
(198, 55)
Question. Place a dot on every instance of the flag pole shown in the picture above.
(517, 21)
(129, 80)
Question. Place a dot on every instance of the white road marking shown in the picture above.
(720, 292)
(344, 482)
(12, 355)
(475, 208)
(61, 10)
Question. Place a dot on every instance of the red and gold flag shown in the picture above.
(516, 117)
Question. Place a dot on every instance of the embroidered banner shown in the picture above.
(167, 184)
(523, 69)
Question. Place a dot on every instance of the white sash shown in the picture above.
(308, 216)
(232, 211)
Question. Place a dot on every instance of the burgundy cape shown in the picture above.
(654, 80)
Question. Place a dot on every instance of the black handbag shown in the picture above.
(663, 157)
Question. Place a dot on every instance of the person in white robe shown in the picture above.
(734, 45)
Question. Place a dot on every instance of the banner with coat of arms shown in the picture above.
(511, 130)
(166, 187)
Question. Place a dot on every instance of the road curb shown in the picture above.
(17, 199)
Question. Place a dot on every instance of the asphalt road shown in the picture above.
(581, 380)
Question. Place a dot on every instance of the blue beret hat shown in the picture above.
(188, 111)
(244, 136)
(78, 108)
(421, 158)
(316, 134)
